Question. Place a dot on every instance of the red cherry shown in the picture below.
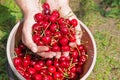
(73, 69)
(36, 27)
(27, 56)
(72, 38)
(36, 38)
(57, 35)
(45, 25)
(74, 22)
(52, 69)
(57, 75)
(38, 77)
(17, 50)
(64, 30)
(56, 63)
(65, 48)
(49, 62)
(17, 61)
(74, 54)
(63, 41)
(38, 17)
(83, 58)
(53, 18)
(45, 6)
(32, 62)
(56, 13)
(22, 46)
(67, 21)
(46, 11)
(48, 33)
(37, 67)
(63, 64)
(53, 27)
(80, 47)
(55, 48)
(46, 39)
(61, 21)
(41, 63)
(63, 58)
(26, 63)
(31, 71)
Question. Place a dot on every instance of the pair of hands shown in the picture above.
(30, 8)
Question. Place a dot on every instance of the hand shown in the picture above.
(66, 11)
(30, 8)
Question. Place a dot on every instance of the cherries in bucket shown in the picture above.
(55, 32)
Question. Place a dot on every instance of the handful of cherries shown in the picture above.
(55, 32)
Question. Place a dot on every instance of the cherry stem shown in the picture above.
(45, 30)
(77, 49)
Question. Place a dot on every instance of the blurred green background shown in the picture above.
(101, 16)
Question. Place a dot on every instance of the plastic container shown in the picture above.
(87, 39)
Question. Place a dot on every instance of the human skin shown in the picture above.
(29, 9)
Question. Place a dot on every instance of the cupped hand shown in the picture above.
(30, 8)
(66, 11)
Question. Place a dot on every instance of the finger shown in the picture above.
(27, 35)
(47, 54)
(66, 54)
(58, 55)
(42, 48)
(72, 44)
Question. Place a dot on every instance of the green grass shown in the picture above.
(107, 66)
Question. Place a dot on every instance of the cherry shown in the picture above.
(48, 32)
(46, 11)
(17, 50)
(45, 6)
(63, 58)
(83, 58)
(63, 41)
(65, 48)
(57, 75)
(74, 54)
(38, 17)
(17, 61)
(22, 46)
(36, 38)
(53, 18)
(64, 30)
(45, 25)
(32, 62)
(37, 67)
(53, 27)
(56, 48)
(80, 47)
(41, 63)
(57, 35)
(74, 22)
(26, 63)
(38, 77)
(31, 70)
(55, 13)
(67, 21)
(52, 69)
(73, 69)
(46, 39)
(56, 63)
(61, 21)
(49, 62)
(36, 27)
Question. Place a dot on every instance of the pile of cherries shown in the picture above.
(55, 32)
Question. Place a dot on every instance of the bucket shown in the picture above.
(87, 39)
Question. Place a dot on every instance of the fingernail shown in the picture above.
(34, 49)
